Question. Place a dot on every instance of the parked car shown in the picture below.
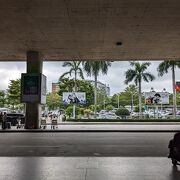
(108, 116)
(12, 117)
(4, 110)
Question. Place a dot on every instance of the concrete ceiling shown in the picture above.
(89, 29)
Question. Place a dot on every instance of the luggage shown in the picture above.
(6, 125)
(174, 147)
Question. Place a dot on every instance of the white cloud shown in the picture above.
(115, 77)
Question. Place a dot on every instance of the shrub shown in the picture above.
(137, 109)
(109, 107)
(122, 112)
(87, 112)
(81, 111)
(69, 111)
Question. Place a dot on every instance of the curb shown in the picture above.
(89, 131)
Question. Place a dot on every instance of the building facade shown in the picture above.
(55, 87)
(101, 86)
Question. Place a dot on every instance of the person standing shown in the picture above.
(1, 118)
(4, 120)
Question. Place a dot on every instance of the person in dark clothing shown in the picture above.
(175, 142)
(4, 119)
(1, 117)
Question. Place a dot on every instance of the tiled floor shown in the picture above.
(87, 168)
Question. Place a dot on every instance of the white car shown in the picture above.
(108, 116)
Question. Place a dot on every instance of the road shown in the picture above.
(120, 144)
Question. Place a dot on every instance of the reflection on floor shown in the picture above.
(87, 168)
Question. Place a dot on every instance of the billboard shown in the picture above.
(33, 88)
(156, 98)
(74, 97)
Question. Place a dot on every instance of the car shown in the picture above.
(13, 117)
(4, 110)
(103, 111)
(108, 116)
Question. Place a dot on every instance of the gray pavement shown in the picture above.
(85, 144)
(86, 156)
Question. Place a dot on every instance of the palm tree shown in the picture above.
(162, 69)
(93, 68)
(138, 74)
(76, 69)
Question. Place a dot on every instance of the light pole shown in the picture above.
(155, 107)
(164, 90)
(132, 102)
(118, 100)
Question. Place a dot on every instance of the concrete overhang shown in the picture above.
(90, 29)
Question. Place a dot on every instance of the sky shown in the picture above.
(115, 77)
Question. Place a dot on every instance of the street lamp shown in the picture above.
(132, 102)
(164, 90)
(155, 107)
(118, 100)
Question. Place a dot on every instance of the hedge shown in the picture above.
(123, 120)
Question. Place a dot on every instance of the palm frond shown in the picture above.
(81, 74)
(130, 75)
(163, 68)
(63, 75)
(68, 64)
(148, 77)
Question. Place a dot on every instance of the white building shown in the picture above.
(102, 86)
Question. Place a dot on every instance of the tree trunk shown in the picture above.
(140, 97)
(75, 83)
(174, 92)
(95, 96)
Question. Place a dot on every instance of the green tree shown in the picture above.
(93, 68)
(69, 111)
(53, 101)
(75, 67)
(109, 107)
(2, 98)
(162, 69)
(13, 92)
(102, 98)
(132, 92)
(178, 98)
(137, 74)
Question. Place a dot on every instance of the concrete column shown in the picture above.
(33, 110)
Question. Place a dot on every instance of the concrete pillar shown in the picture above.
(33, 110)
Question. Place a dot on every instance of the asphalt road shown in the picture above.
(85, 144)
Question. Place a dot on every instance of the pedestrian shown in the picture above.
(1, 118)
(4, 119)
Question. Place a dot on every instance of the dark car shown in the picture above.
(12, 117)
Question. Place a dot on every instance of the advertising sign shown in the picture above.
(74, 97)
(156, 98)
(33, 88)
